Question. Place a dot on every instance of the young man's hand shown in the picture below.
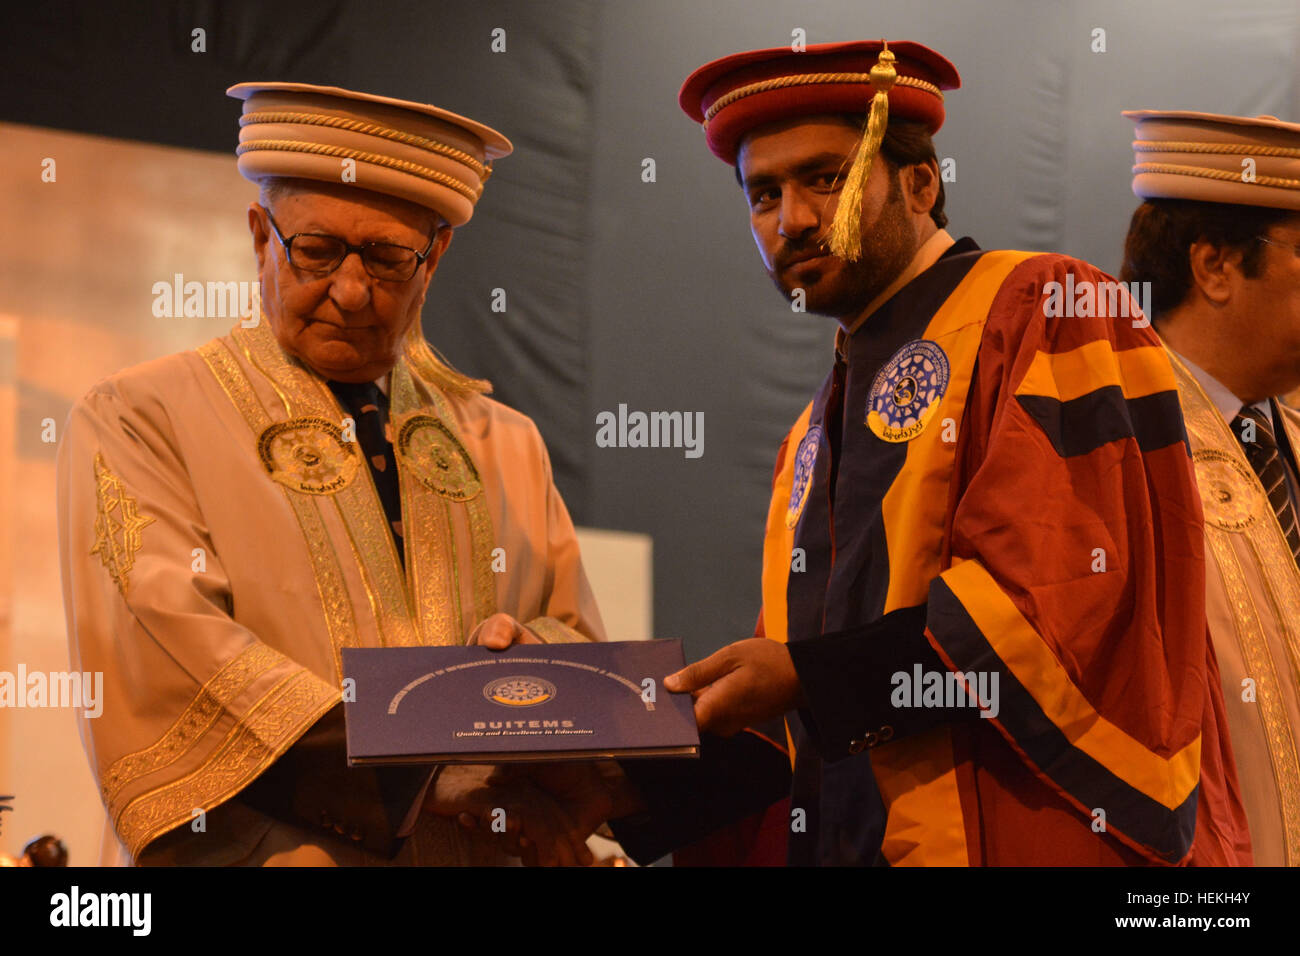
(745, 683)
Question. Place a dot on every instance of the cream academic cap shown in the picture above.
(413, 151)
(1248, 161)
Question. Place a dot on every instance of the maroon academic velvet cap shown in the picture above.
(739, 93)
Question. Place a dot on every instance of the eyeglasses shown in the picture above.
(1294, 247)
(322, 254)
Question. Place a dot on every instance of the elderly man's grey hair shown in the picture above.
(272, 189)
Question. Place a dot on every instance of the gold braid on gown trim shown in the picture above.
(358, 506)
(269, 728)
(1206, 425)
(433, 569)
(336, 605)
(411, 613)
(482, 536)
(1283, 591)
(194, 722)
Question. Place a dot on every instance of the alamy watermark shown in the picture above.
(83, 689)
(208, 300)
(1105, 299)
(926, 688)
(75, 908)
(624, 429)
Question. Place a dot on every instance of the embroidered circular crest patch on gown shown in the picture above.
(906, 391)
(437, 458)
(309, 455)
(519, 691)
(1229, 490)
(804, 459)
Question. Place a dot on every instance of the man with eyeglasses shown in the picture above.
(232, 517)
(1218, 238)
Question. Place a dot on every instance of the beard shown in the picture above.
(841, 289)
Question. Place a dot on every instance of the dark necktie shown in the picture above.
(368, 407)
(1266, 458)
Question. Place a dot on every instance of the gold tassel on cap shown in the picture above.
(846, 228)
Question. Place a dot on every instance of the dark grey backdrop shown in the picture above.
(651, 294)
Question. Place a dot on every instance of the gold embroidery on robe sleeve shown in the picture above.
(118, 525)
(267, 729)
(198, 718)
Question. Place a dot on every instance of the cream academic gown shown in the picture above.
(1253, 609)
(221, 542)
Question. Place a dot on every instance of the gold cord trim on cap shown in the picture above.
(1225, 175)
(361, 155)
(800, 79)
(369, 129)
(1229, 149)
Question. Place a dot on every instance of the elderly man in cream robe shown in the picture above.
(1218, 238)
(231, 518)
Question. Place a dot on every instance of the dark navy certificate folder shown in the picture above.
(529, 702)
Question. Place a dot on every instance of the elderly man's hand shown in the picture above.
(743, 684)
(541, 812)
(527, 821)
(584, 794)
(500, 631)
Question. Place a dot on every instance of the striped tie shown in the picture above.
(1260, 445)
(368, 407)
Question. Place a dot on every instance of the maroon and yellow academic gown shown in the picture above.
(1019, 487)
